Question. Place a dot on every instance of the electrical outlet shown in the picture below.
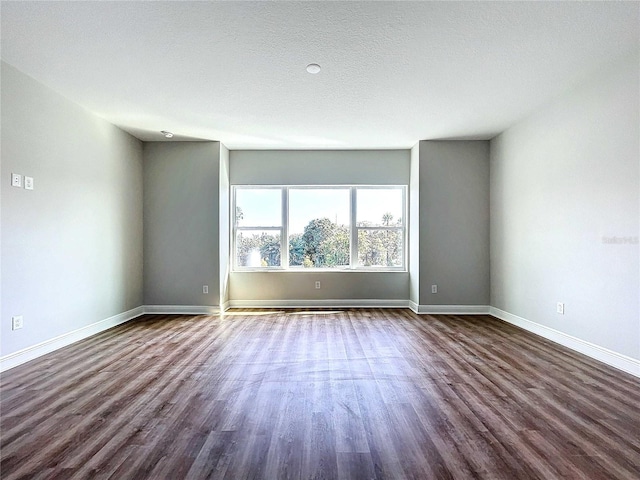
(205, 289)
(560, 308)
(16, 322)
(28, 183)
(318, 285)
(16, 180)
(434, 288)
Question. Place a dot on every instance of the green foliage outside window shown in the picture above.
(324, 244)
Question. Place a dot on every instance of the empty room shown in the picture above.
(320, 240)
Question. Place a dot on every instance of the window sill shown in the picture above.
(320, 270)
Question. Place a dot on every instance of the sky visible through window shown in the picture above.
(263, 207)
(260, 207)
(374, 203)
(308, 204)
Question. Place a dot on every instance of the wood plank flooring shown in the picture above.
(351, 394)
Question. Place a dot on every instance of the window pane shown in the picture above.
(380, 248)
(258, 207)
(319, 227)
(379, 207)
(258, 248)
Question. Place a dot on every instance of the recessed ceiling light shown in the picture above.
(166, 134)
(313, 68)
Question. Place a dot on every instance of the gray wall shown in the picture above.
(564, 181)
(454, 222)
(72, 247)
(181, 223)
(289, 286)
(313, 167)
(309, 167)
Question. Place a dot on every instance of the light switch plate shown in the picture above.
(28, 183)
(16, 180)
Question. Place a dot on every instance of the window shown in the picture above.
(322, 227)
(258, 220)
(379, 226)
(319, 227)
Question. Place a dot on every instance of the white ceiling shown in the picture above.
(392, 73)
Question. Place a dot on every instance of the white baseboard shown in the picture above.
(366, 303)
(181, 309)
(617, 360)
(450, 309)
(48, 346)
(35, 351)
(355, 303)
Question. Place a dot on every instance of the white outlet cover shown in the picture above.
(560, 308)
(28, 183)
(16, 180)
(16, 322)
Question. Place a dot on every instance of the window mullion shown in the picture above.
(353, 260)
(405, 228)
(234, 229)
(381, 227)
(284, 237)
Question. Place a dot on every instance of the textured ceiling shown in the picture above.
(392, 73)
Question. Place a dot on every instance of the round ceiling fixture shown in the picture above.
(166, 134)
(313, 68)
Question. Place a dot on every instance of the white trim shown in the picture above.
(353, 228)
(30, 353)
(364, 303)
(353, 240)
(181, 309)
(353, 303)
(614, 359)
(450, 309)
(225, 306)
(284, 235)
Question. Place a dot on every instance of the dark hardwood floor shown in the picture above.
(348, 394)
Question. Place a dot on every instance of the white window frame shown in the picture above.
(354, 229)
(282, 229)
